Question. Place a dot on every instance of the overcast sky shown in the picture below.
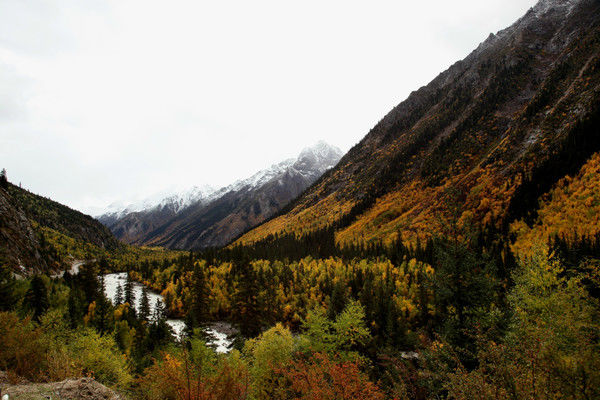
(102, 101)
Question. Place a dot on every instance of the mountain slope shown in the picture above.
(480, 131)
(19, 245)
(25, 221)
(65, 220)
(221, 216)
(133, 222)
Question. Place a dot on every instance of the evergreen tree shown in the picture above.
(338, 299)
(246, 301)
(36, 298)
(102, 303)
(160, 313)
(159, 332)
(145, 269)
(75, 309)
(464, 286)
(118, 295)
(7, 287)
(88, 277)
(3, 179)
(144, 305)
(102, 314)
(199, 306)
(129, 295)
(190, 324)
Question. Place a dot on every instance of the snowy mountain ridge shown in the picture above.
(174, 200)
(312, 161)
(315, 159)
(202, 217)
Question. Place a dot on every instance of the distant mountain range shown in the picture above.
(203, 217)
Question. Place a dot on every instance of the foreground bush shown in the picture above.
(22, 350)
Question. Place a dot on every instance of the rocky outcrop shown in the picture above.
(69, 389)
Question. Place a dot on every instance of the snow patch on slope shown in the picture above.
(544, 6)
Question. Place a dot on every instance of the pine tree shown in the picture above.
(246, 301)
(36, 298)
(159, 331)
(74, 307)
(144, 305)
(102, 314)
(89, 282)
(118, 295)
(102, 303)
(3, 179)
(464, 282)
(7, 287)
(199, 306)
(129, 295)
(338, 299)
(160, 313)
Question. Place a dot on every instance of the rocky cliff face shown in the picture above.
(483, 128)
(19, 245)
(219, 217)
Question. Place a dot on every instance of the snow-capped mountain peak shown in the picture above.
(201, 216)
(176, 200)
(312, 160)
(181, 200)
(321, 156)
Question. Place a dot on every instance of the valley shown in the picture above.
(452, 253)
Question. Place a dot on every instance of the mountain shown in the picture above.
(19, 245)
(27, 220)
(493, 134)
(171, 200)
(216, 217)
(132, 222)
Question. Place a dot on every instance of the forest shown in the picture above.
(458, 316)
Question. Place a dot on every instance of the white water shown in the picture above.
(219, 340)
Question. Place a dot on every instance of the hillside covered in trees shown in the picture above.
(34, 229)
(501, 127)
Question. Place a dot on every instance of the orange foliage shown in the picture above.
(175, 377)
(570, 210)
(300, 220)
(413, 209)
(320, 378)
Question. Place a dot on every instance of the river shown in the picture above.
(219, 331)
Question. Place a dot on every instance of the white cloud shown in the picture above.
(104, 101)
